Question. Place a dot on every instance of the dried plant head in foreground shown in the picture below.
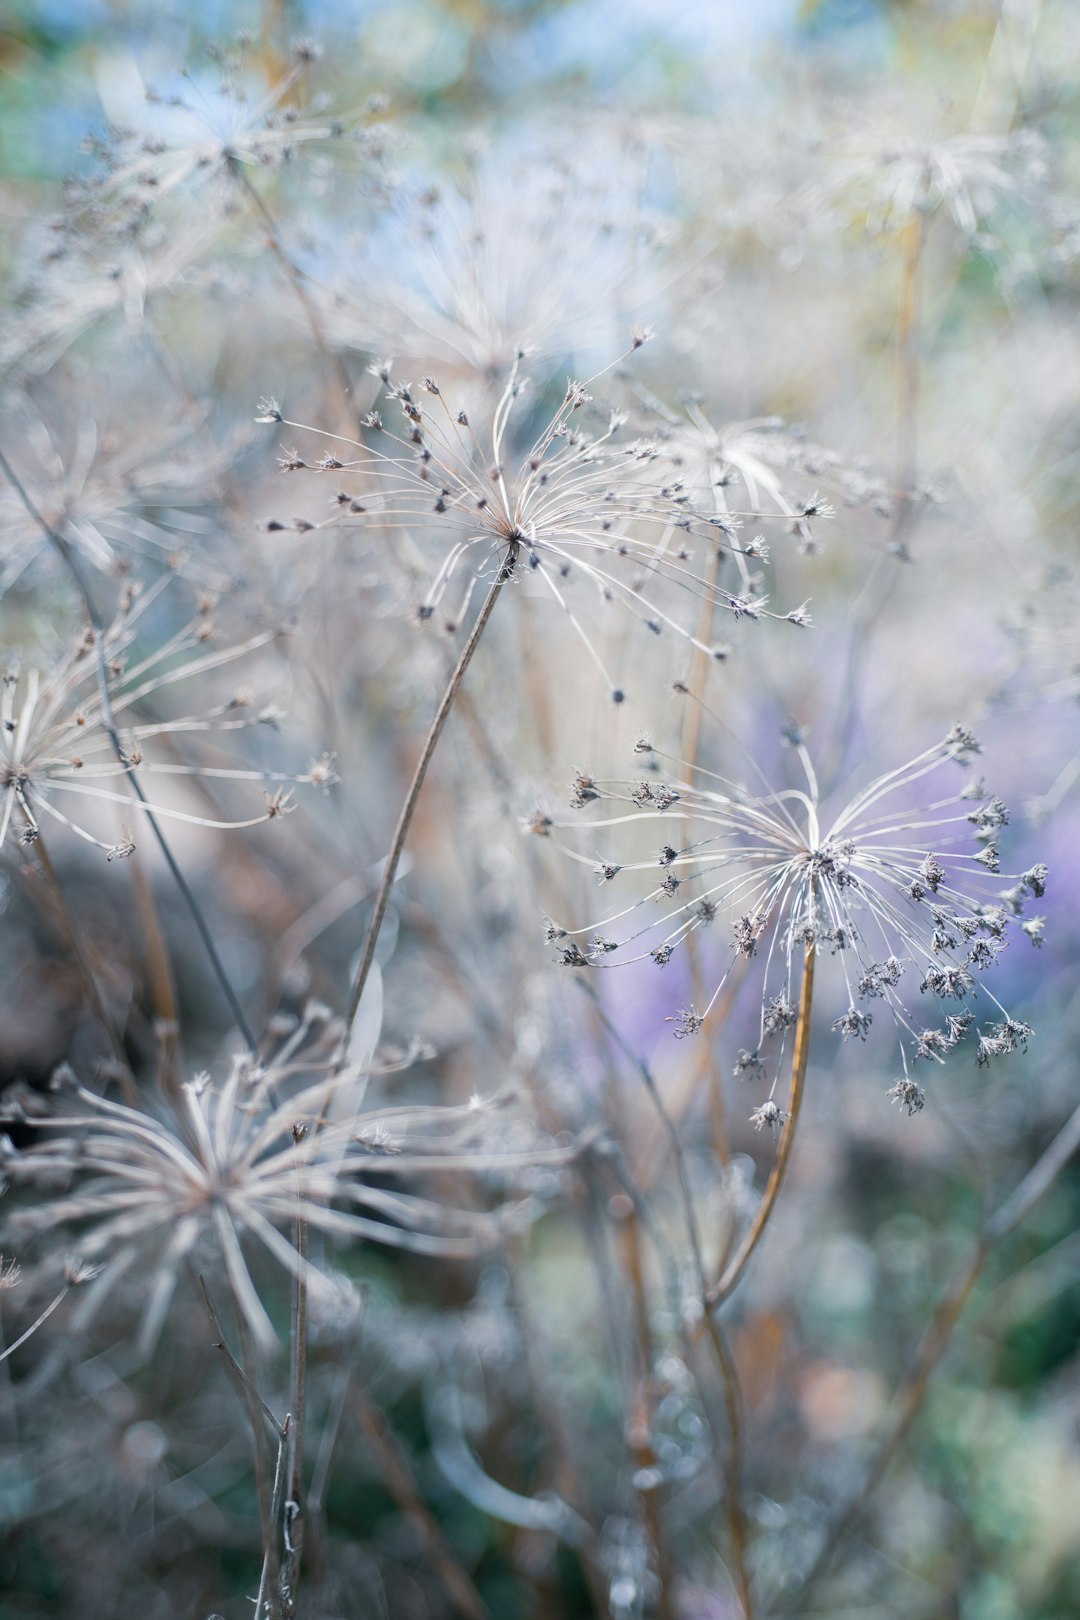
(57, 759)
(289, 1137)
(569, 503)
(887, 888)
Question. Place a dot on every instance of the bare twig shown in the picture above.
(400, 1481)
(735, 1267)
(935, 1341)
(80, 951)
(382, 899)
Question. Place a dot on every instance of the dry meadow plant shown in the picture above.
(493, 1269)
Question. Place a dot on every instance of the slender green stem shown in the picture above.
(401, 831)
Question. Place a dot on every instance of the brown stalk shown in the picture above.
(108, 721)
(642, 1398)
(913, 239)
(401, 831)
(706, 1325)
(400, 1482)
(261, 1418)
(735, 1267)
(935, 1340)
(81, 952)
(294, 1505)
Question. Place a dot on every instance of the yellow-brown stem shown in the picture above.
(726, 1283)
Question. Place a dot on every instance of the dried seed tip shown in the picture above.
(816, 507)
(854, 1024)
(1034, 879)
(618, 695)
(585, 791)
(268, 410)
(961, 744)
(78, 1271)
(321, 773)
(277, 803)
(769, 1114)
(640, 335)
(538, 824)
(907, 1095)
(687, 1022)
(748, 1065)
(10, 1274)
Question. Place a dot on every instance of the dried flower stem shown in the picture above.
(80, 951)
(642, 1406)
(735, 1267)
(732, 1463)
(935, 1340)
(44, 1317)
(734, 1510)
(108, 721)
(907, 369)
(401, 1484)
(296, 282)
(236, 1372)
(268, 1604)
(401, 831)
(693, 716)
(297, 1401)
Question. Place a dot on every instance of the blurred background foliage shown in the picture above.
(733, 173)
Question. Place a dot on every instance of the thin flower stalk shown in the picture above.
(729, 1278)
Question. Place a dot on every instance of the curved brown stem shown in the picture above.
(401, 831)
(907, 371)
(935, 1340)
(735, 1267)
